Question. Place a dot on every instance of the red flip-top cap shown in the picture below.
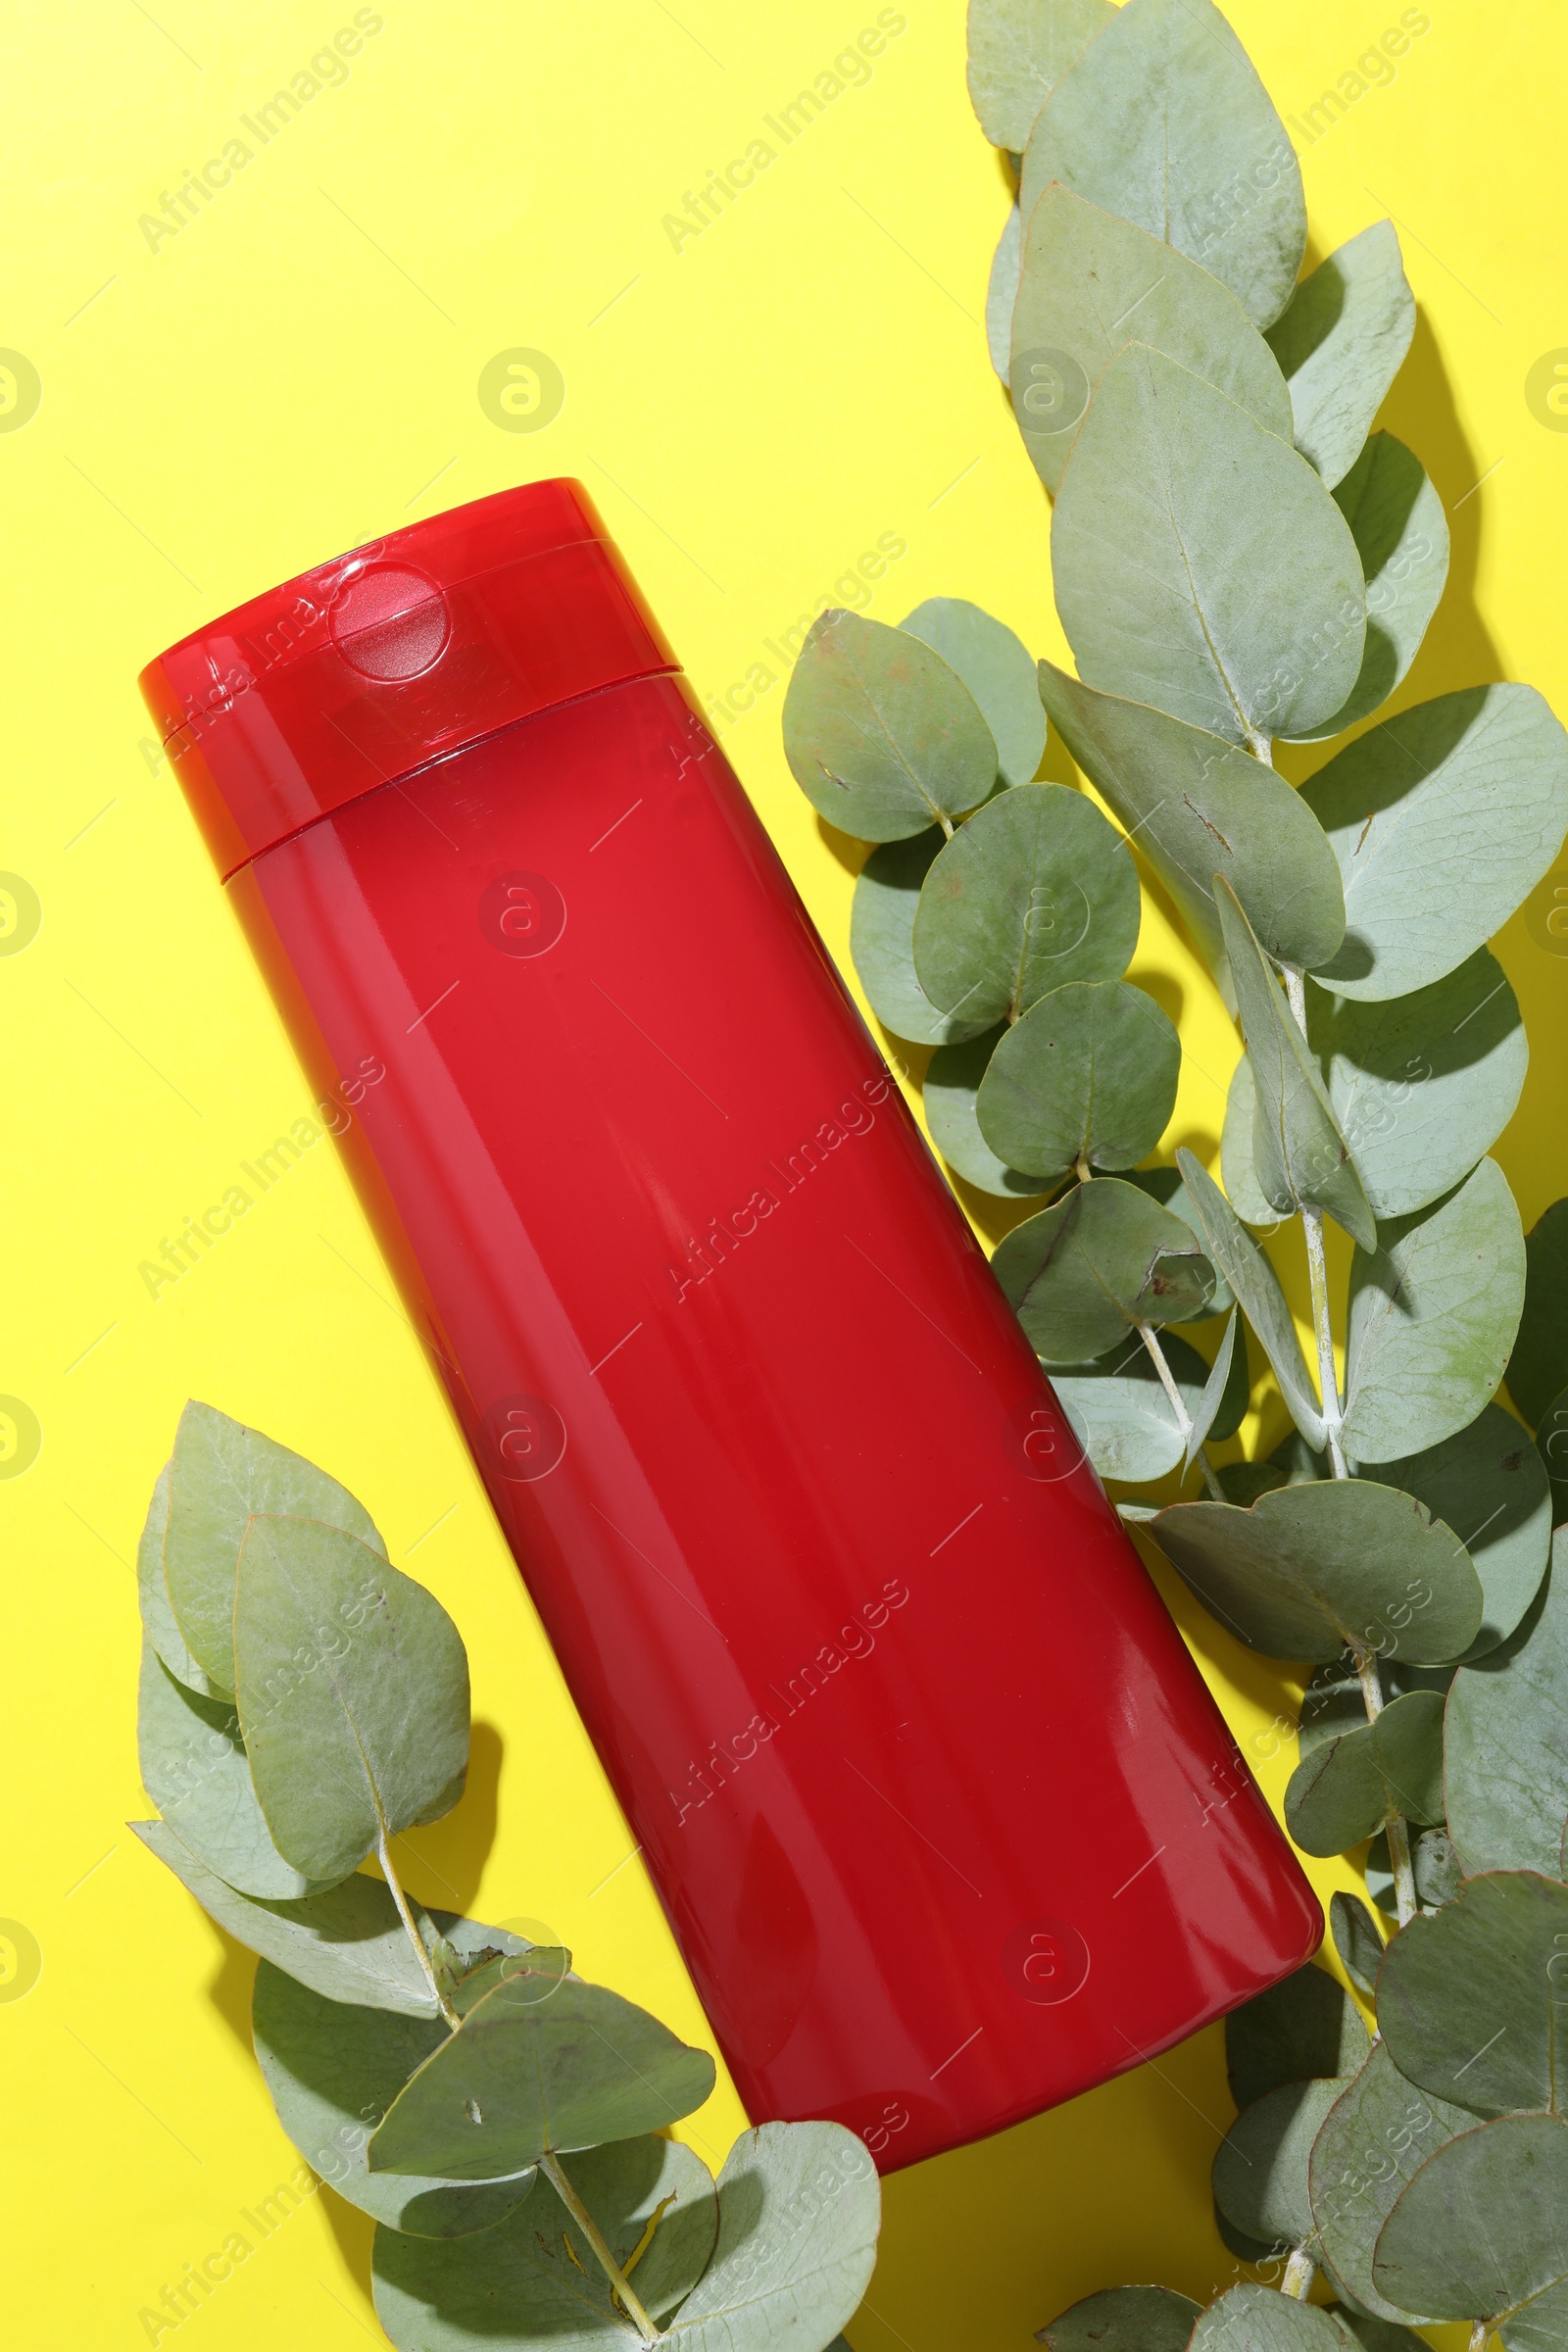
(354, 674)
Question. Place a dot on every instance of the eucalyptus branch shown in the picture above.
(1317, 1275)
(383, 1854)
(1398, 1835)
(620, 2286)
(1184, 1419)
(1299, 2272)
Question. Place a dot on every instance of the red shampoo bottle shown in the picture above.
(942, 1818)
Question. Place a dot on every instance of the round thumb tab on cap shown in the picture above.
(355, 674)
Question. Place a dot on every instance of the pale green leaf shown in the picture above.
(352, 1693)
(1089, 1073)
(1489, 1484)
(158, 1619)
(949, 1094)
(1105, 1257)
(1222, 1407)
(1092, 282)
(1259, 2173)
(1401, 534)
(1257, 1291)
(1482, 2232)
(1164, 121)
(1199, 565)
(1443, 819)
(1356, 1941)
(1120, 1410)
(1123, 2319)
(1237, 1164)
(1001, 292)
(887, 892)
(1165, 1186)
(1433, 1315)
(881, 736)
(1037, 889)
(799, 2210)
(1468, 1998)
(998, 670)
(1018, 52)
(1195, 805)
(1258, 2319)
(1507, 1745)
(1379, 2132)
(1340, 343)
(219, 1475)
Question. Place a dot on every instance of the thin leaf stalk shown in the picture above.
(620, 2286)
(1398, 1833)
(1319, 1277)
(1184, 1419)
(389, 1873)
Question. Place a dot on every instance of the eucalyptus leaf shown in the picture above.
(158, 1619)
(1506, 1742)
(950, 1091)
(1260, 2319)
(1303, 2027)
(1312, 1570)
(1373, 2334)
(1088, 1073)
(799, 2210)
(1378, 2134)
(219, 1475)
(1164, 120)
(1199, 564)
(1300, 1157)
(1340, 343)
(881, 736)
(1165, 1186)
(1256, 1288)
(348, 1943)
(1259, 2173)
(1236, 1162)
(1123, 2319)
(1422, 1085)
(352, 1693)
(1407, 1745)
(1435, 1868)
(1222, 1407)
(1242, 1483)
(195, 1770)
(521, 2077)
(1490, 1485)
(1035, 891)
(1090, 282)
(887, 892)
(1001, 292)
(1119, 1407)
(1357, 1941)
(998, 670)
(534, 2284)
(1537, 1367)
(1433, 1315)
(1336, 1796)
(1469, 1997)
(1195, 805)
(1018, 52)
(1482, 2232)
(333, 2070)
(1094, 1263)
(1401, 534)
(1443, 819)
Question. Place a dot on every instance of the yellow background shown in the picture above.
(296, 370)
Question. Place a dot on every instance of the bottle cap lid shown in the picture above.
(360, 672)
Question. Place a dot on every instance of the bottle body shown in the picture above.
(944, 1821)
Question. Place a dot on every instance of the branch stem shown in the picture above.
(1318, 1276)
(1398, 1835)
(1184, 1419)
(1300, 2273)
(620, 2286)
(389, 1873)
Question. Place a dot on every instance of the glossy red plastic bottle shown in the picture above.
(941, 1815)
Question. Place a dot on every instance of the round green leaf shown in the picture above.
(1482, 2232)
(1303, 2027)
(1089, 1073)
(1261, 2165)
(1506, 1742)
(1340, 343)
(1196, 806)
(1434, 1867)
(887, 892)
(1443, 819)
(158, 1619)
(1336, 1796)
(1407, 1745)
(1489, 1482)
(1356, 1941)
(1373, 2334)
(1124, 2318)
(534, 2284)
(949, 1094)
(333, 2070)
(881, 736)
(1401, 534)
(1195, 558)
(1035, 891)
(1375, 2137)
(1094, 1263)
(1422, 1085)
(1258, 2319)
(522, 2075)
(195, 1770)
(997, 668)
(1312, 1570)
(1256, 1288)
(1164, 121)
(1120, 1410)
(1001, 292)
(1018, 52)
(1165, 1186)
(352, 1693)
(1083, 274)
(799, 2210)
(1433, 1315)
(220, 1474)
(1537, 1368)
(1468, 1997)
